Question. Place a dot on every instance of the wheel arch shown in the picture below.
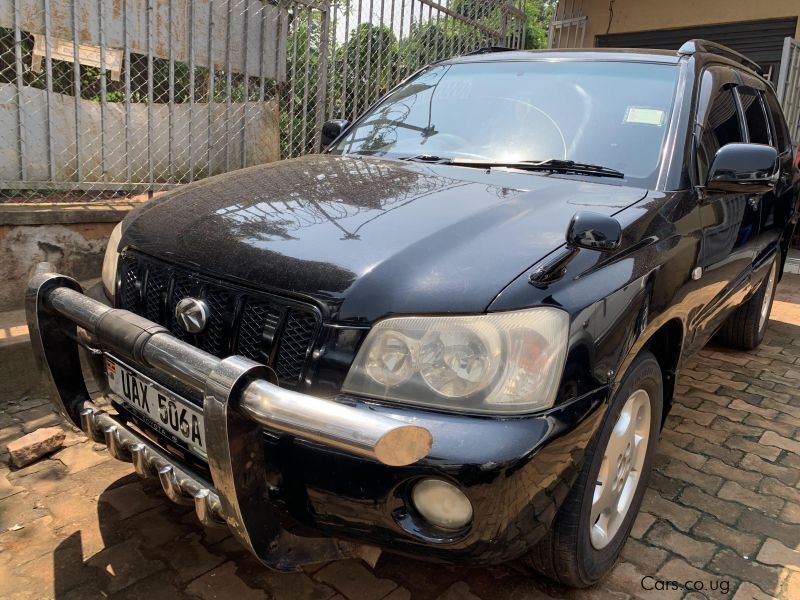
(666, 344)
(664, 335)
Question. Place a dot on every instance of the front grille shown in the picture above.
(295, 341)
(267, 328)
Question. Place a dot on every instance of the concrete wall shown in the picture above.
(109, 147)
(30, 234)
(644, 15)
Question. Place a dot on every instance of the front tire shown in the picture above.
(746, 327)
(595, 520)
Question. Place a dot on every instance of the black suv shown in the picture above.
(394, 345)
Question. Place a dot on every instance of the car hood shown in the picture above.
(369, 237)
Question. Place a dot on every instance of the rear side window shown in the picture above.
(754, 116)
(780, 131)
(721, 127)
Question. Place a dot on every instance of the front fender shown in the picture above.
(618, 302)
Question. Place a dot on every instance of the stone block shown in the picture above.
(33, 446)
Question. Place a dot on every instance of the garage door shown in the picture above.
(761, 41)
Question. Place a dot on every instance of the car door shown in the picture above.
(730, 221)
(759, 131)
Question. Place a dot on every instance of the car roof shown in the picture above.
(643, 55)
(596, 54)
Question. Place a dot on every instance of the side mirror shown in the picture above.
(594, 231)
(332, 130)
(586, 230)
(743, 168)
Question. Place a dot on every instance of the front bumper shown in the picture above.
(239, 399)
(343, 469)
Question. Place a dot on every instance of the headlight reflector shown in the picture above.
(509, 362)
(459, 362)
(390, 360)
(109, 273)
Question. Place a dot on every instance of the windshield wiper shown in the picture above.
(427, 158)
(553, 165)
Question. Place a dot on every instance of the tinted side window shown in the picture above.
(780, 131)
(754, 116)
(721, 127)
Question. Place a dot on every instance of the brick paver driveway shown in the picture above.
(722, 513)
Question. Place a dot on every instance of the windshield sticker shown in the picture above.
(644, 116)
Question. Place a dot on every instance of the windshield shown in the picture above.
(613, 114)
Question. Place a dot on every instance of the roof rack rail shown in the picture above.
(693, 46)
(489, 50)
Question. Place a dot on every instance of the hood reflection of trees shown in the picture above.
(317, 189)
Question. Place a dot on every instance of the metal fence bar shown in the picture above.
(262, 84)
(357, 70)
(367, 91)
(190, 9)
(150, 99)
(452, 38)
(246, 82)
(402, 21)
(211, 78)
(330, 92)
(331, 42)
(292, 79)
(21, 146)
(437, 50)
(345, 80)
(306, 70)
(171, 93)
(381, 54)
(76, 89)
(391, 27)
(103, 90)
(48, 74)
(228, 76)
(322, 83)
(127, 90)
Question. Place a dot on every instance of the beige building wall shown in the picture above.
(645, 15)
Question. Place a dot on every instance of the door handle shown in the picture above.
(753, 201)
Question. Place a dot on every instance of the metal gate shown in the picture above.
(568, 25)
(789, 86)
(343, 55)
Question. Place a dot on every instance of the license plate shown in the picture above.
(161, 409)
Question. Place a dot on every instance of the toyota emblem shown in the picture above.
(192, 314)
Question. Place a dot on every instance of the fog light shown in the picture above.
(442, 504)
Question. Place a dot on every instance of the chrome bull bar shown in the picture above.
(179, 485)
(239, 398)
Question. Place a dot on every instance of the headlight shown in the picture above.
(110, 261)
(508, 362)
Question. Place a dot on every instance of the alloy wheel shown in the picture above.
(621, 469)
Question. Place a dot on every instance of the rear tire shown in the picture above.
(581, 546)
(746, 327)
